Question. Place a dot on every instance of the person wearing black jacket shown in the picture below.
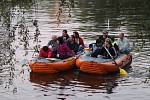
(100, 41)
(65, 35)
(72, 44)
(103, 52)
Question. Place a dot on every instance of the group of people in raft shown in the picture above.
(67, 46)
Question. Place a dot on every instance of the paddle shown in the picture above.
(122, 71)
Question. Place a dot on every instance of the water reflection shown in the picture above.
(43, 79)
(36, 36)
(74, 82)
(106, 83)
(64, 6)
(7, 61)
(11, 26)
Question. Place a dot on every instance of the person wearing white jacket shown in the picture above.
(123, 43)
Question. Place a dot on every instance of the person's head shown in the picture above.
(121, 36)
(54, 37)
(72, 38)
(45, 48)
(60, 40)
(108, 42)
(105, 33)
(76, 34)
(91, 46)
(64, 33)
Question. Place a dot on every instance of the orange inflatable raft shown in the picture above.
(102, 66)
(51, 65)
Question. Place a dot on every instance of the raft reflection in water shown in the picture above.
(74, 82)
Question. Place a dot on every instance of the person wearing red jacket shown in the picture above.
(45, 52)
(79, 41)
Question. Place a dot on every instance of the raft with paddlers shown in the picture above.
(51, 65)
(102, 66)
(105, 57)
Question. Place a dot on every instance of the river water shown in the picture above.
(27, 25)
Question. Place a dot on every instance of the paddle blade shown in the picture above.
(122, 72)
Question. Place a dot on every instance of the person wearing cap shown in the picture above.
(54, 44)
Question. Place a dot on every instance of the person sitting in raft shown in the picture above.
(123, 44)
(116, 48)
(93, 47)
(103, 51)
(54, 44)
(65, 35)
(63, 51)
(45, 52)
(72, 44)
(100, 41)
(79, 41)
